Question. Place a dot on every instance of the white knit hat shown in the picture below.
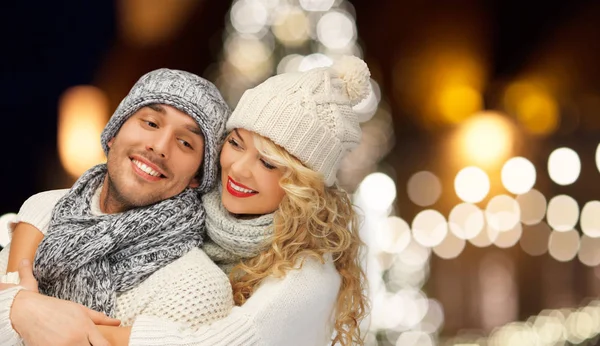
(308, 113)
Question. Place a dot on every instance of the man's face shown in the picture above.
(155, 155)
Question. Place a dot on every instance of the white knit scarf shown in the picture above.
(231, 239)
(88, 258)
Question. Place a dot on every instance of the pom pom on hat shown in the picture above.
(355, 77)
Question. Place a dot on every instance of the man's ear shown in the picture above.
(110, 142)
(194, 183)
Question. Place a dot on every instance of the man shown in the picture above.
(124, 220)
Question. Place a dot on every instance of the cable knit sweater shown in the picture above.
(294, 310)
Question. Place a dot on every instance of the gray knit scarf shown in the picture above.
(88, 259)
(232, 239)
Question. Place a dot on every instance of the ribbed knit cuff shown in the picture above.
(234, 330)
(8, 336)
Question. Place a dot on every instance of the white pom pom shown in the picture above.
(355, 75)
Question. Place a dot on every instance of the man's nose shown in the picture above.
(160, 144)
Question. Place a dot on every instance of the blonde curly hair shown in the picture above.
(316, 221)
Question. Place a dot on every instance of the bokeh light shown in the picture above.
(378, 191)
(466, 220)
(429, 228)
(535, 238)
(414, 255)
(289, 63)
(502, 213)
(563, 246)
(590, 222)
(471, 184)
(450, 247)
(485, 238)
(589, 252)
(336, 30)
(415, 338)
(393, 235)
(424, 188)
(535, 108)
(563, 213)
(434, 319)
(579, 326)
(533, 206)
(564, 166)
(510, 237)
(367, 107)
(316, 5)
(486, 139)
(251, 56)
(457, 102)
(313, 61)
(291, 26)
(550, 329)
(83, 112)
(518, 175)
(249, 16)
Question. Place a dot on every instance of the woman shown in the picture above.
(279, 220)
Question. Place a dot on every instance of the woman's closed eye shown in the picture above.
(234, 143)
(268, 165)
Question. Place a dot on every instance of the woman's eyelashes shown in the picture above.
(267, 164)
(235, 144)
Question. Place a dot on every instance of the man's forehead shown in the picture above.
(188, 121)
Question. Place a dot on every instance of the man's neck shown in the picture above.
(109, 204)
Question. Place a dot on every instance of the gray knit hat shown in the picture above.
(190, 94)
(308, 113)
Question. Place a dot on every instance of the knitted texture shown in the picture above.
(190, 94)
(88, 259)
(190, 291)
(231, 239)
(308, 113)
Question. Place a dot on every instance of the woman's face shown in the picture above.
(250, 182)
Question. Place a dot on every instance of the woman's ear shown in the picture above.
(110, 142)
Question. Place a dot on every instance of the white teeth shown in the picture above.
(239, 188)
(146, 169)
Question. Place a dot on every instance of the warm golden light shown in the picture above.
(83, 113)
(443, 84)
(485, 139)
(534, 107)
(458, 102)
(151, 22)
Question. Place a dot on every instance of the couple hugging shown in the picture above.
(203, 227)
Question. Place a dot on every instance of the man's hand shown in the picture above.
(42, 320)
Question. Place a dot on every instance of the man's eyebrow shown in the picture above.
(157, 108)
(238, 134)
(195, 130)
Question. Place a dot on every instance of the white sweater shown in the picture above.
(294, 310)
(192, 290)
